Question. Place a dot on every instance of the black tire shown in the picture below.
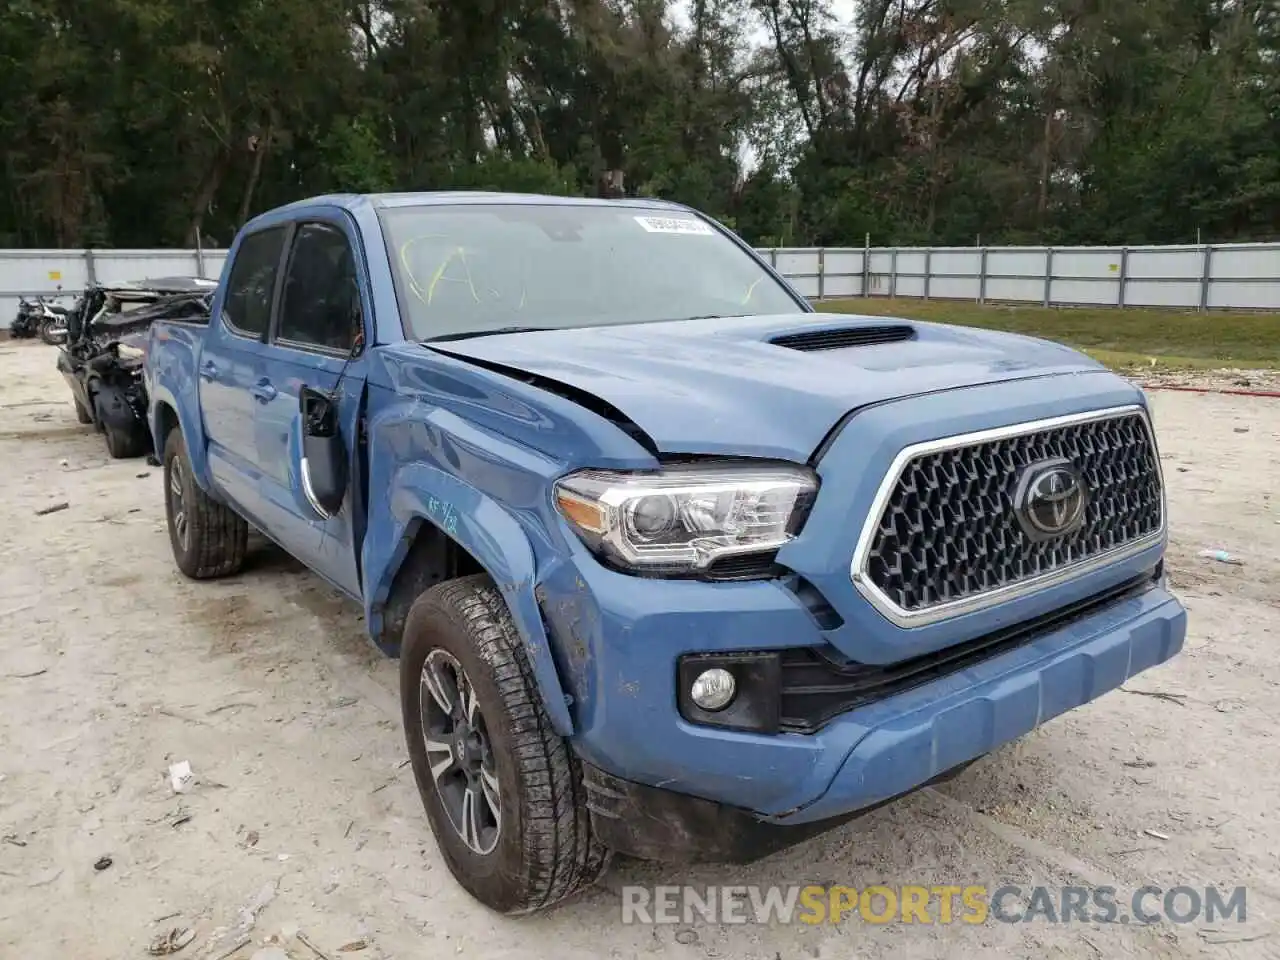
(544, 850)
(123, 444)
(82, 415)
(210, 538)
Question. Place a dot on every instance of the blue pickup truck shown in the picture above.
(674, 565)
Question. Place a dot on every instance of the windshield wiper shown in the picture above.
(467, 334)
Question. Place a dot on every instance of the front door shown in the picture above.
(317, 341)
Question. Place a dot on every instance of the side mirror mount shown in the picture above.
(324, 458)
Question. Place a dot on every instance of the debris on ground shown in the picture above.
(178, 815)
(238, 945)
(223, 942)
(1221, 556)
(45, 878)
(171, 942)
(1220, 937)
(102, 863)
(180, 776)
(1177, 698)
(52, 508)
(1156, 834)
(302, 938)
(354, 946)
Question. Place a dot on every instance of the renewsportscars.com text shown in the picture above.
(935, 904)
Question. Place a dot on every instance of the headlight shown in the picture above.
(684, 518)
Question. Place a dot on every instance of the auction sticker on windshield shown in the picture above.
(674, 225)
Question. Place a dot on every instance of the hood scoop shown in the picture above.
(837, 338)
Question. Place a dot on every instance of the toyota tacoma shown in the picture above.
(674, 565)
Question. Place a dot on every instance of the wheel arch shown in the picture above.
(165, 414)
(432, 527)
(166, 418)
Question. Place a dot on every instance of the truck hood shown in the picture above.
(722, 386)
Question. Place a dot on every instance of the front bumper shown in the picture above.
(619, 647)
(913, 738)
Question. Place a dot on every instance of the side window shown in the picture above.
(321, 305)
(246, 308)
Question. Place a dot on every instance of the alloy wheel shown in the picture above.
(460, 752)
(177, 503)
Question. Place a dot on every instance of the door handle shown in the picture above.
(263, 391)
(208, 370)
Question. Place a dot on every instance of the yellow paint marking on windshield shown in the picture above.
(414, 286)
(436, 277)
(752, 289)
(408, 270)
(462, 255)
(439, 272)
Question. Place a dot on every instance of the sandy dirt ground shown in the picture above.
(303, 815)
(1258, 381)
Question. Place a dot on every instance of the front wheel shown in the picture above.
(208, 538)
(502, 790)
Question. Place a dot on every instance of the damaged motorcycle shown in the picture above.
(39, 318)
(105, 348)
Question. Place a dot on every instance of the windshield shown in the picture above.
(479, 268)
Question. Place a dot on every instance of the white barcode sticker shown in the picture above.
(674, 225)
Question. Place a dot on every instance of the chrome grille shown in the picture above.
(945, 536)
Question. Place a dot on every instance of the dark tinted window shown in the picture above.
(321, 304)
(247, 306)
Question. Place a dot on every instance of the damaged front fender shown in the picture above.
(421, 493)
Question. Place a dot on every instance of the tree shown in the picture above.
(149, 122)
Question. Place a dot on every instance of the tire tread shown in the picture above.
(560, 853)
(219, 535)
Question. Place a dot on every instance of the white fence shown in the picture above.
(1211, 277)
(63, 274)
(1225, 276)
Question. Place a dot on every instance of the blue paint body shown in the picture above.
(452, 443)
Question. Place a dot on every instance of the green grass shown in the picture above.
(1120, 338)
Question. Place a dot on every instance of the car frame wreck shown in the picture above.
(675, 566)
(101, 358)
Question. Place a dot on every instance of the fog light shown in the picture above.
(713, 689)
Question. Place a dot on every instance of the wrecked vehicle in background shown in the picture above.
(105, 346)
(38, 318)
